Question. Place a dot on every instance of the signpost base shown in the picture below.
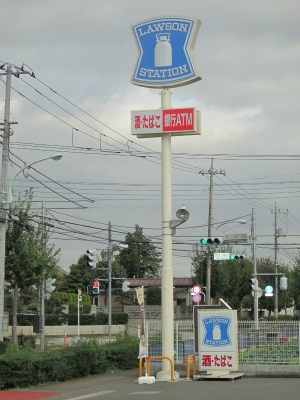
(146, 379)
(165, 376)
(219, 375)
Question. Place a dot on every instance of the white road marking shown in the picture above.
(145, 392)
(88, 396)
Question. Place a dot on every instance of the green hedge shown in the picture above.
(72, 319)
(23, 369)
(3, 345)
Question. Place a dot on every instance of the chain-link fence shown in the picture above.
(273, 343)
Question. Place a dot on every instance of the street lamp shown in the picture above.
(240, 221)
(54, 157)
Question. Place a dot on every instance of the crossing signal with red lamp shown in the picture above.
(237, 257)
(91, 258)
(95, 287)
(214, 241)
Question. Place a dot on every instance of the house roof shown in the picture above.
(177, 282)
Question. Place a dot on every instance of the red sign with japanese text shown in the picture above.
(154, 123)
(178, 120)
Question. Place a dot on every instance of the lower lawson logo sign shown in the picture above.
(216, 331)
(153, 123)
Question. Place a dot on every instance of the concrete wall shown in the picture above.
(71, 330)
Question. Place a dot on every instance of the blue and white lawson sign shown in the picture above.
(218, 345)
(166, 57)
(216, 331)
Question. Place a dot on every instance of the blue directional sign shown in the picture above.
(166, 57)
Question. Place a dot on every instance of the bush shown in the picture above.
(22, 319)
(22, 369)
(119, 319)
(32, 306)
(4, 345)
(153, 296)
(101, 319)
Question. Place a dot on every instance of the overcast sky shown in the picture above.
(83, 53)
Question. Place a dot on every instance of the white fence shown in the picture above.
(273, 343)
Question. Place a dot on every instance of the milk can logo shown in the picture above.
(166, 57)
(216, 331)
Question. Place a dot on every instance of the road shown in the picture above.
(124, 385)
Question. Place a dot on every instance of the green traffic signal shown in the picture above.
(204, 241)
(237, 257)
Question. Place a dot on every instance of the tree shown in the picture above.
(73, 281)
(87, 273)
(153, 296)
(29, 257)
(140, 259)
(199, 262)
(295, 282)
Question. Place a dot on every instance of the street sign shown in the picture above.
(196, 298)
(79, 292)
(269, 291)
(196, 289)
(236, 238)
(221, 256)
(153, 123)
(166, 57)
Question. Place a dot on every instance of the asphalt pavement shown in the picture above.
(124, 384)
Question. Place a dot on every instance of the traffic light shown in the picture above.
(91, 258)
(213, 241)
(237, 257)
(125, 286)
(95, 287)
(283, 283)
(254, 284)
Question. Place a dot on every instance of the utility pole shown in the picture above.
(42, 288)
(211, 172)
(276, 236)
(3, 196)
(3, 190)
(253, 235)
(276, 266)
(110, 252)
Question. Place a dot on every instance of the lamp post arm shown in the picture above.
(9, 193)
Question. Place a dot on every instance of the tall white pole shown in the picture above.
(167, 318)
(3, 196)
